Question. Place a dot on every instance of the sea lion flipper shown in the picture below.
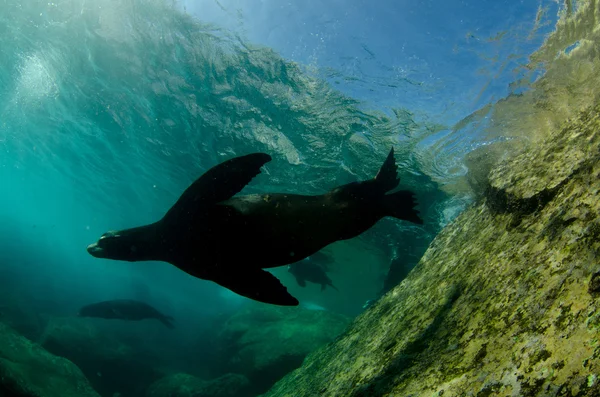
(256, 284)
(401, 205)
(217, 184)
(387, 177)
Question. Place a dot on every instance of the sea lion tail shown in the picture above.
(401, 205)
(167, 321)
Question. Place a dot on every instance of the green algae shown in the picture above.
(522, 320)
(185, 385)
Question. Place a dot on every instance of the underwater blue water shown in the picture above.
(429, 56)
(441, 61)
(110, 109)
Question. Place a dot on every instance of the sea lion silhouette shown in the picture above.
(311, 271)
(125, 309)
(212, 235)
(398, 271)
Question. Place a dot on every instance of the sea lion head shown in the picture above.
(114, 245)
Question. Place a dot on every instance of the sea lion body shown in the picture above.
(124, 309)
(311, 271)
(213, 235)
(273, 230)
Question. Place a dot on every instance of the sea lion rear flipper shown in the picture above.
(256, 284)
(401, 205)
(217, 184)
(167, 321)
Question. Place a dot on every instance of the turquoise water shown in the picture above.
(109, 109)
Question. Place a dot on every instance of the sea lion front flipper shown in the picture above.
(256, 284)
(387, 177)
(217, 184)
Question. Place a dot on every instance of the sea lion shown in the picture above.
(311, 271)
(125, 309)
(398, 271)
(212, 235)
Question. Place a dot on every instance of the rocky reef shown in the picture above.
(112, 365)
(266, 342)
(246, 353)
(185, 385)
(27, 370)
(503, 303)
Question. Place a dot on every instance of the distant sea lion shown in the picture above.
(125, 309)
(398, 271)
(212, 235)
(311, 271)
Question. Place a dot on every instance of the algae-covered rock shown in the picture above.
(266, 342)
(505, 302)
(528, 181)
(27, 370)
(184, 385)
(21, 317)
(111, 365)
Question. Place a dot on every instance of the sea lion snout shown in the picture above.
(95, 250)
(99, 248)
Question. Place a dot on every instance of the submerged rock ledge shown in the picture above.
(27, 370)
(505, 302)
(529, 181)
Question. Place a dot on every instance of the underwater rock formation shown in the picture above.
(21, 317)
(266, 342)
(505, 302)
(27, 370)
(111, 365)
(184, 385)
